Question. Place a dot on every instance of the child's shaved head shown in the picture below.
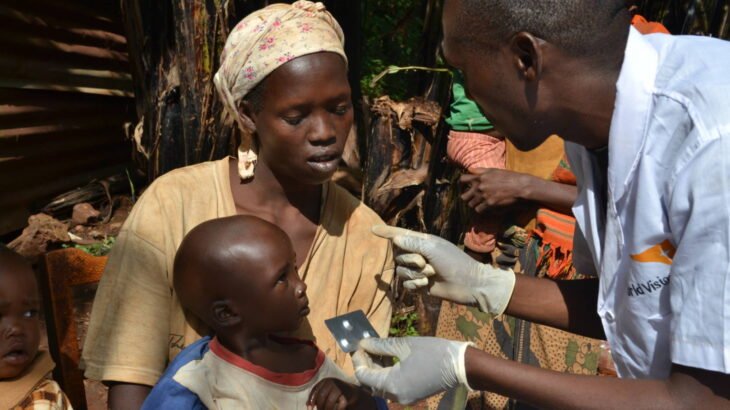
(212, 253)
(19, 304)
(227, 270)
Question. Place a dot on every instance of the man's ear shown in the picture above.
(248, 116)
(528, 55)
(223, 315)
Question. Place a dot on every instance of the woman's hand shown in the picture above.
(487, 188)
(335, 394)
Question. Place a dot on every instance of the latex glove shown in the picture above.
(426, 366)
(448, 271)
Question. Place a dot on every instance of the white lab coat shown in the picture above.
(660, 234)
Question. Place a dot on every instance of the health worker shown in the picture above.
(646, 121)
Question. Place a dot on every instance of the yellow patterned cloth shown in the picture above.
(518, 340)
(46, 396)
(262, 42)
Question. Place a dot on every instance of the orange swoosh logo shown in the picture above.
(662, 253)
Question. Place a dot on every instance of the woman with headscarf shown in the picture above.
(283, 79)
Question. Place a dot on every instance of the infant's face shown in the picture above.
(19, 323)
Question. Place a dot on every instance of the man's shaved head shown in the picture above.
(540, 67)
(579, 27)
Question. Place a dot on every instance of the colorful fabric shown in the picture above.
(206, 375)
(33, 389)
(518, 340)
(262, 42)
(465, 114)
(552, 238)
(471, 150)
(46, 396)
(555, 238)
(646, 27)
(539, 162)
(562, 172)
(137, 324)
(482, 234)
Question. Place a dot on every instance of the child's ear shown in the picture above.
(224, 315)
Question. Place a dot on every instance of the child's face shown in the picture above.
(19, 323)
(275, 297)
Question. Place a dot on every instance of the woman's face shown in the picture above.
(304, 118)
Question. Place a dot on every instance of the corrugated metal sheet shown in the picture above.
(65, 95)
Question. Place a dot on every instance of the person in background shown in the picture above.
(473, 144)
(25, 371)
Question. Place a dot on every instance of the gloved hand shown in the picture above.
(427, 366)
(449, 272)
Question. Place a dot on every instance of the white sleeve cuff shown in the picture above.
(701, 356)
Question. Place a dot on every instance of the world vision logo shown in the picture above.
(662, 253)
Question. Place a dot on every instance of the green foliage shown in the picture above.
(392, 69)
(131, 185)
(96, 249)
(404, 325)
(392, 32)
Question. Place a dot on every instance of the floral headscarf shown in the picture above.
(261, 43)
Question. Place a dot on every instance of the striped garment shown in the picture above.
(471, 150)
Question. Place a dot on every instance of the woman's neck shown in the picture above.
(269, 191)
